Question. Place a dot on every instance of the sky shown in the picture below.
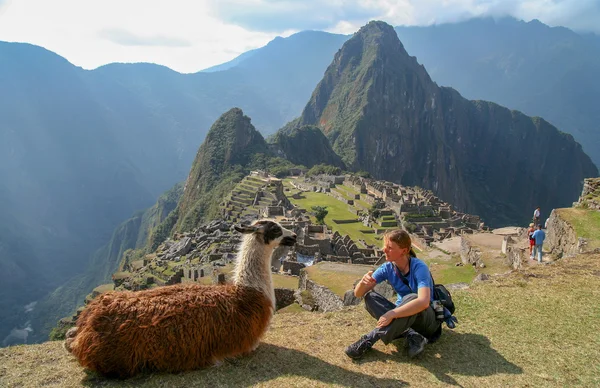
(191, 35)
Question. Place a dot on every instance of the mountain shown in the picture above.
(383, 114)
(229, 146)
(305, 145)
(544, 71)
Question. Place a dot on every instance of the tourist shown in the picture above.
(530, 232)
(536, 216)
(412, 316)
(539, 237)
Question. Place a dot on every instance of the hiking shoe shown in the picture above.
(416, 343)
(359, 348)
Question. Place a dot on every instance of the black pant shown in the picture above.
(423, 323)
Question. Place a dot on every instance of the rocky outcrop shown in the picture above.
(590, 195)
(515, 257)
(561, 238)
(468, 253)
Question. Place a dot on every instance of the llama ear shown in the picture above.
(245, 229)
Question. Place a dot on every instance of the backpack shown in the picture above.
(442, 294)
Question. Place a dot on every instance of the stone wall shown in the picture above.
(324, 298)
(346, 221)
(561, 238)
(308, 250)
(293, 266)
(515, 256)
(590, 195)
(284, 297)
(468, 253)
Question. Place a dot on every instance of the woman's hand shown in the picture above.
(386, 319)
(368, 280)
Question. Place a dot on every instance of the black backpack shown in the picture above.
(442, 294)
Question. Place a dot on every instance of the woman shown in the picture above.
(412, 316)
(530, 232)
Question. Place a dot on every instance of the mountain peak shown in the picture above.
(371, 65)
(230, 142)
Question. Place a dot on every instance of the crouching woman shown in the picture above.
(412, 316)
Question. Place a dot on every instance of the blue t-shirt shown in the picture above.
(418, 277)
(539, 236)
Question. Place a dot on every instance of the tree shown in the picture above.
(320, 213)
(374, 211)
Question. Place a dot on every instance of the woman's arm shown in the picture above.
(411, 308)
(365, 285)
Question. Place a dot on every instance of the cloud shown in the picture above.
(280, 15)
(126, 38)
(348, 15)
(180, 34)
(188, 35)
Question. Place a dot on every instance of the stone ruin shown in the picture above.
(418, 210)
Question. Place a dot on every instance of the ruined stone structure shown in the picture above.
(419, 210)
(590, 195)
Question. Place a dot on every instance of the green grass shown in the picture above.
(104, 288)
(343, 193)
(448, 273)
(349, 189)
(536, 328)
(294, 308)
(585, 222)
(337, 210)
(338, 277)
(283, 281)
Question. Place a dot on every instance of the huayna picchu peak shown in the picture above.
(230, 142)
(383, 114)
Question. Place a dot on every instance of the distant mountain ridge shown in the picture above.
(383, 114)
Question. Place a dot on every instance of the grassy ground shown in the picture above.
(536, 328)
(338, 277)
(585, 222)
(448, 273)
(284, 281)
(337, 210)
(104, 288)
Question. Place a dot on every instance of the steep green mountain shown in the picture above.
(383, 114)
(544, 71)
(229, 147)
(305, 146)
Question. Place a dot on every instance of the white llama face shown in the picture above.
(269, 232)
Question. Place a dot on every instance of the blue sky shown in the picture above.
(188, 36)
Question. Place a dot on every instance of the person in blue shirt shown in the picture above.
(539, 236)
(411, 316)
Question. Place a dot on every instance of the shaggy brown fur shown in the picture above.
(122, 333)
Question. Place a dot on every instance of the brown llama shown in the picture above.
(183, 327)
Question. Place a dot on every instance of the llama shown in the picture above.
(183, 327)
